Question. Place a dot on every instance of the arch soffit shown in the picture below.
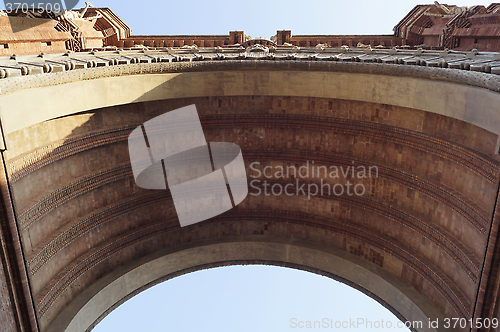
(474, 105)
(377, 283)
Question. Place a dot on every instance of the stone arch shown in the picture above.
(376, 283)
(84, 224)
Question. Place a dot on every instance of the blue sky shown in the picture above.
(264, 18)
(251, 298)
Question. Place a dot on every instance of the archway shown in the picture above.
(422, 229)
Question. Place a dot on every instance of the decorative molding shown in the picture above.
(422, 266)
(73, 231)
(64, 194)
(461, 204)
(26, 164)
(487, 168)
(313, 62)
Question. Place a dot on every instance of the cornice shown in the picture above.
(478, 69)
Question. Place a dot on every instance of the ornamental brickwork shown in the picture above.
(434, 26)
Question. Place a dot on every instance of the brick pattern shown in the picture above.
(148, 240)
(30, 36)
(414, 187)
(468, 30)
(383, 145)
(425, 218)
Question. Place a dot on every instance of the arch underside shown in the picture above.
(416, 238)
(338, 265)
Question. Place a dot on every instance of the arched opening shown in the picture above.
(249, 298)
(393, 294)
(416, 242)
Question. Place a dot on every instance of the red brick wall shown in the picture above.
(425, 219)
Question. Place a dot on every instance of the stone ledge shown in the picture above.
(223, 63)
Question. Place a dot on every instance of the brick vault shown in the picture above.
(79, 237)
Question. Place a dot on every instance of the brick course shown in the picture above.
(425, 218)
